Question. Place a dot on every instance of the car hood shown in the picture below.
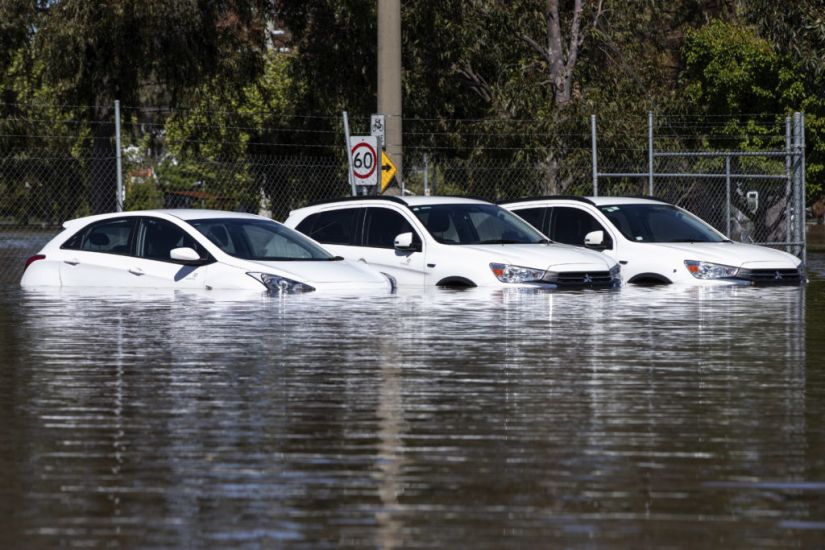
(733, 254)
(551, 256)
(340, 271)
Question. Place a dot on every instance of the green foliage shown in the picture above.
(475, 86)
(728, 69)
(143, 196)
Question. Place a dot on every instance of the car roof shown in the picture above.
(180, 213)
(596, 201)
(426, 201)
(409, 201)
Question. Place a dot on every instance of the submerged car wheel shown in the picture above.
(649, 279)
(456, 282)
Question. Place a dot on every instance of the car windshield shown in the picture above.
(261, 240)
(659, 223)
(475, 223)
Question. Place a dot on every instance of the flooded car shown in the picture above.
(657, 242)
(193, 249)
(450, 241)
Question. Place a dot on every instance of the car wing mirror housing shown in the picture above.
(594, 239)
(187, 256)
(405, 242)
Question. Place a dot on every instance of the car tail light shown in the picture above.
(33, 259)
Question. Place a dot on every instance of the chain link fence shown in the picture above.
(41, 187)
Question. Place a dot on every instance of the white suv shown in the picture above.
(656, 242)
(449, 241)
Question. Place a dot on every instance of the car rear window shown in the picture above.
(339, 226)
(108, 236)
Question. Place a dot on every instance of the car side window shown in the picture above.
(570, 225)
(339, 226)
(158, 238)
(382, 225)
(110, 237)
(533, 216)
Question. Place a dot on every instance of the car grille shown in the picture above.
(771, 276)
(583, 279)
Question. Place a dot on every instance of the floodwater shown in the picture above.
(643, 417)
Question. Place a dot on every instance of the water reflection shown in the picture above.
(652, 416)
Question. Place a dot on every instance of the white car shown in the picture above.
(193, 249)
(449, 241)
(656, 242)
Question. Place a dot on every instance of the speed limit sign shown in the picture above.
(364, 160)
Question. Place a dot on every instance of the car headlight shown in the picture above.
(515, 274)
(707, 270)
(280, 285)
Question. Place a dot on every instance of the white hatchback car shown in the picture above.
(656, 242)
(193, 249)
(449, 241)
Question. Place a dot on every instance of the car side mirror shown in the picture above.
(594, 239)
(186, 256)
(404, 242)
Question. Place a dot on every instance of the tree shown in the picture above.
(93, 53)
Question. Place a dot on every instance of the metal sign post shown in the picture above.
(349, 152)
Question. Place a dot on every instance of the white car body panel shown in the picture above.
(438, 261)
(668, 259)
(81, 268)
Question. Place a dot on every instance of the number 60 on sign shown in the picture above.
(364, 159)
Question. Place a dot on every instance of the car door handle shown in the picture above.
(73, 261)
(136, 271)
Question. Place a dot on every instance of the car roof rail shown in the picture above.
(547, 197)
(389, 198)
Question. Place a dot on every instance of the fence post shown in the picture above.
(118, 159)
(798, 229)
(727, 196)
(650, 152)
(803, 237)
(594, 155)
(426, 176)
(789, 188)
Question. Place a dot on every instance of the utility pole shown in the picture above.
(389, 77)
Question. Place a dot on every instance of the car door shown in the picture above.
(99, 255)
(151, 265)
(381, 226)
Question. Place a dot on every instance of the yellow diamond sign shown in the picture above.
(388, 171)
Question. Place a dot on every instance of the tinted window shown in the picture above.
(262, 240)
(473, 223)
(336, 226)
(570, 225)
(110, 236)
(660, 223)
(382, 225)
(533, 216)
(307, 224)
(159, 237)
